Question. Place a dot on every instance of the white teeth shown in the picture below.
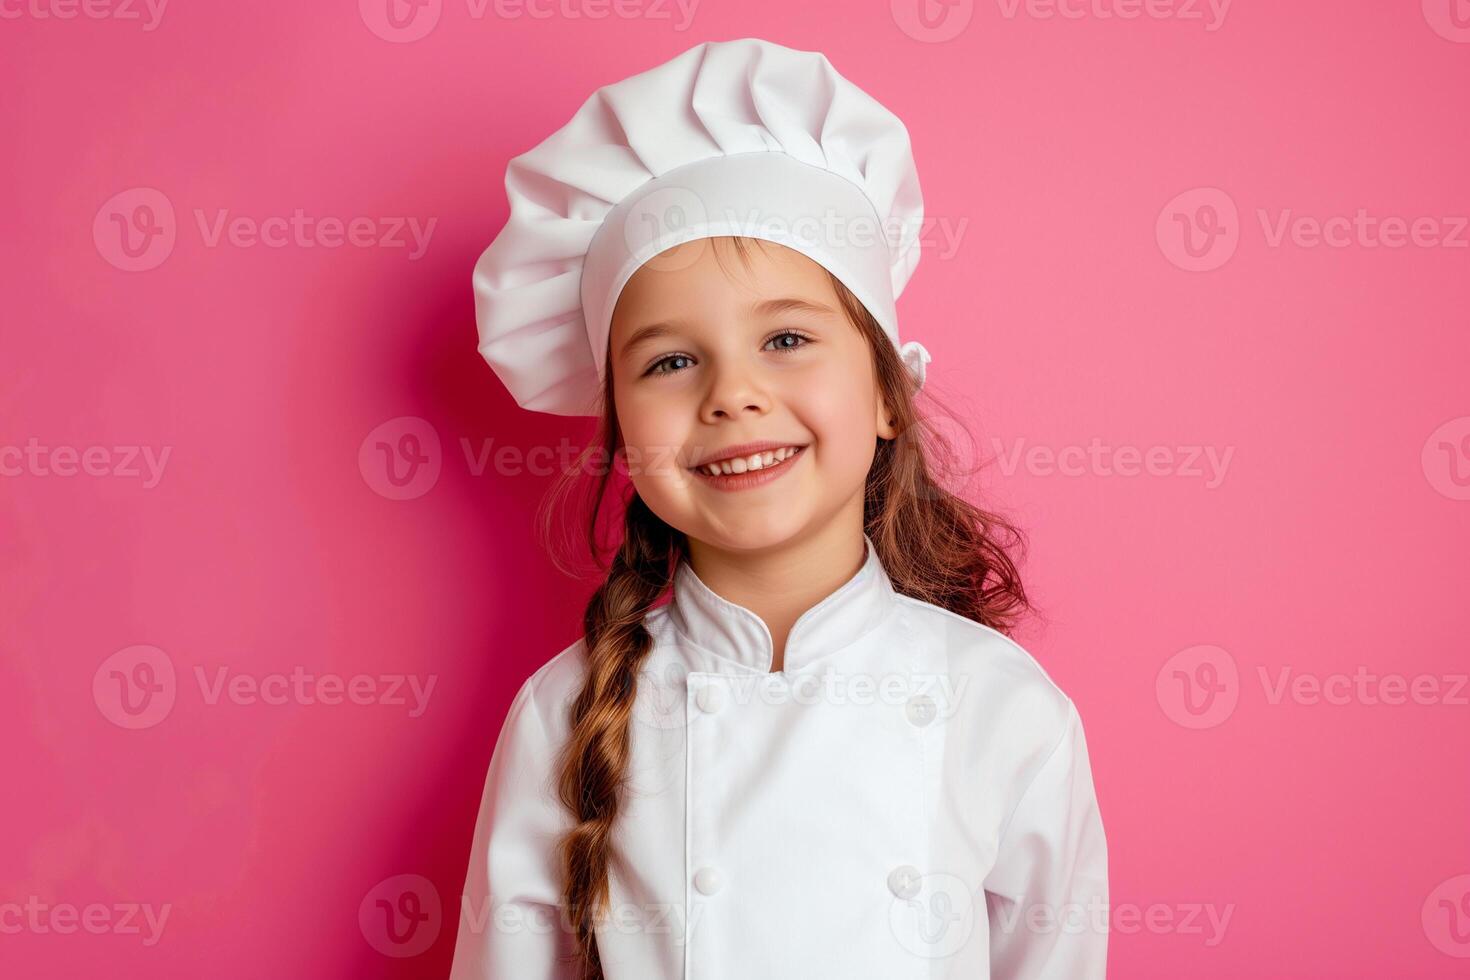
(742, 464)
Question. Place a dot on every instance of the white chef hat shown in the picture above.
(741, 137)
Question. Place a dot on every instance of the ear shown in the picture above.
(885, 421)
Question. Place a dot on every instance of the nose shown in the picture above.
(734, 392)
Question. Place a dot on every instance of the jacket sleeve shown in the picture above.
(510, 924)
(1047, 894)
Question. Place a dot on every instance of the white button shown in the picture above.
(921, 710)
(903, 881)
(707, 880)
(709, 699)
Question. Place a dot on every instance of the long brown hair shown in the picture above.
(934, 545)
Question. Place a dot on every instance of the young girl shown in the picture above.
(822, 757)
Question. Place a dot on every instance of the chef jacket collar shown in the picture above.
(732, 632)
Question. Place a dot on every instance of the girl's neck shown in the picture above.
(780, 583)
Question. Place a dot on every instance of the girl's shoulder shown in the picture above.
(981, 658)
(551, 688)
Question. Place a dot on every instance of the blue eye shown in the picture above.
(666, 364)
(790, 333)
(654, 368)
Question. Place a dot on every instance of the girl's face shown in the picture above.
(704, 361)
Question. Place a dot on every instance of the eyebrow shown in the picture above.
(767, 308)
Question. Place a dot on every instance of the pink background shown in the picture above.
(1072, 310)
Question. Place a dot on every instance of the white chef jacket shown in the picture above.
(909, 799)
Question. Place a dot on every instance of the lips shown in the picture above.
(783, 459)
(750, 462)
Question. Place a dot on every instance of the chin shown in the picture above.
(756, 532)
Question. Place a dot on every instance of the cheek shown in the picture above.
(840, 413)
(652, 441)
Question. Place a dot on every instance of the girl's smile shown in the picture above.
(741, 472)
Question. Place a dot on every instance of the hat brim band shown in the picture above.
(766, 195)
